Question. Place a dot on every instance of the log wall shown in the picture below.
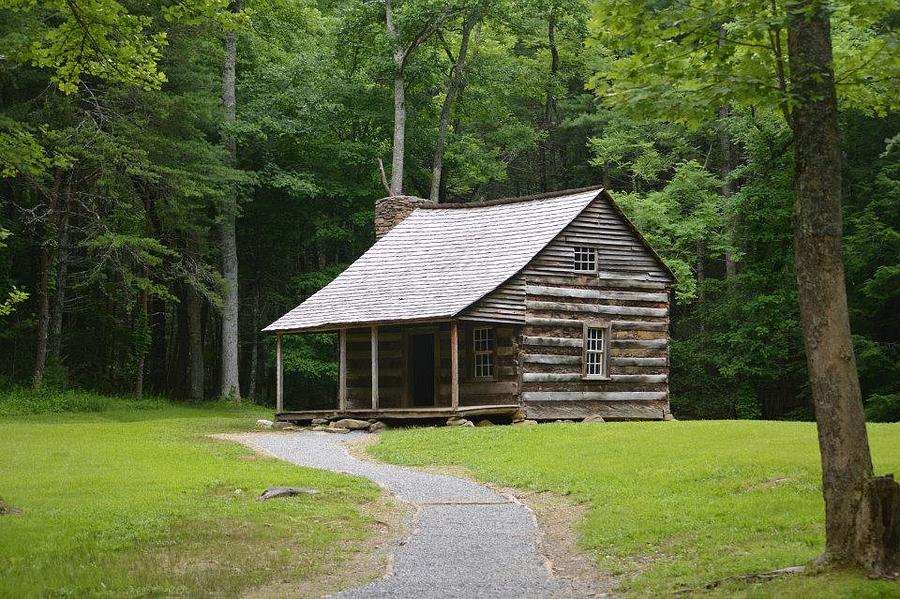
(630, 291)
(538, 317)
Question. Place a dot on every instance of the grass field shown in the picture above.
(137, 501)
(673, 505)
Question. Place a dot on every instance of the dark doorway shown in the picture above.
(421, 369)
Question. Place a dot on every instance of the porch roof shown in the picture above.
(437, 262)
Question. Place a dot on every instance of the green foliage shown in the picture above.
(684, 221)
(883, 408)
(97, 38)
(684, 509)
(13, 296)
(686, 59)
(311, 356)
(22, 401)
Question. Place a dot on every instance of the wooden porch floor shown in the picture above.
(400, 413)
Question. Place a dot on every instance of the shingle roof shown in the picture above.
(437, 262)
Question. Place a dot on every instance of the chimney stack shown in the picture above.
(390, 211)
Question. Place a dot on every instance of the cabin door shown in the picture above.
(421, 369)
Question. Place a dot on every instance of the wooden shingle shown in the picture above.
(437, 262)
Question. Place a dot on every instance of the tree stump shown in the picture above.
(878, 527)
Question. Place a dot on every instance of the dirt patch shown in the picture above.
(769, 484)
(558, 518)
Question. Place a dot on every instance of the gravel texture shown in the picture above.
(467, 541)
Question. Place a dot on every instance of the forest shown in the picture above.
(176, 175)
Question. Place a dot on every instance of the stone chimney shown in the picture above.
(390, 211)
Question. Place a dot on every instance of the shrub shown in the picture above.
(883, 408)
(20, 401)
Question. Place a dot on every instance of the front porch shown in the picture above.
(505, 410)
(416, 371)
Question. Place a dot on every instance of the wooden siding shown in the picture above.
(504, 387)
(626, 269)
(630, 291)
(506, 304)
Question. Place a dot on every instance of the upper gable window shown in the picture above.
(585, 258)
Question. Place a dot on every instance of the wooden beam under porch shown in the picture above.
(400, 413)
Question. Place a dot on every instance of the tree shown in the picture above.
(455, 85)
(230, 371)
(422, 23)
(682, 58)
(861, 512)
(13, 296)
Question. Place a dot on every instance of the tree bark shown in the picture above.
(454, 86)
(852, 495)
(195, 344)
(727, 189)
(549, 103)
(47, 257)
(254, 345)
(398, 150)
(143, 304)
(230, 370)
(62, 259)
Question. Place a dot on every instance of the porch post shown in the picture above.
(279, 376)
(342, 370)
(374, 367)
(454, 365)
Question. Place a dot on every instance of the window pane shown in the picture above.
(594, 351)
(585, 258)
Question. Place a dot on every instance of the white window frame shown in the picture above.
(602, 352)
(578, 252)
(483, 348)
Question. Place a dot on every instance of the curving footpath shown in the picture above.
(467, 541)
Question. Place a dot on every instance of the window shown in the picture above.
(585, 259)
(596, 350)
(483, 349)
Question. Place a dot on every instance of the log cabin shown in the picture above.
(553, 304)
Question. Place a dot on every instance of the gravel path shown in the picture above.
(468, 540)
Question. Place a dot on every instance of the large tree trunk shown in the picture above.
(862, 514)
(454, 85)
(399, 149)
(144, 323)
(549, 105)
(230, 371)
(47, 257)
(727, 165)
(195, 344)
(62, 274)
(254, 345)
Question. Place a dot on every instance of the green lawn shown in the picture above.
(140, 502)
(673, 505)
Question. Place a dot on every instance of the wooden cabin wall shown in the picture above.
(506, 304)
(392, 361)
(504, 388)
(359, 367)
(631, 290)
